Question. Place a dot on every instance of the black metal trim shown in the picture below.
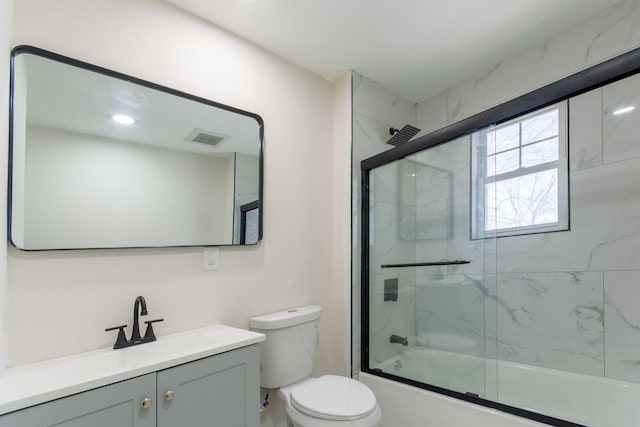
(27, 49)
(599, 75)
(534, 416)
(426, 264)
(591, 78)
(243, 218)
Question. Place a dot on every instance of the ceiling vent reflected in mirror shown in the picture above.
(206, 137)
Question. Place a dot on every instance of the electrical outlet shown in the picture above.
(211, 258)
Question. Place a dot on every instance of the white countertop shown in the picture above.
(35, 383)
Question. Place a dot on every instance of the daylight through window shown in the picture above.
(520, 171)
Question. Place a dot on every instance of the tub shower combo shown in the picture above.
(501, 254)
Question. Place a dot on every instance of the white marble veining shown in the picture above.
(372, 136)
(620, 131)
(601, 37)
(432, 115)
(544, 305)
(451, 305)
(453, 161)
(391, 318)
(553, 320)
(425, 213)
(379, 103)
(425, 221)
(585, 130)
(622, 326)
(35, 383)
(605, 227)
(375, 110)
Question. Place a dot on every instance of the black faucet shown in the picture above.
(396, 339)
(139, 309)
(141, 304)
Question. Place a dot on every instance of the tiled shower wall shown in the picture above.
(563, 300)
(566, 300)
(559, 300)
(375, 110)
(570, 299)
(450, 301)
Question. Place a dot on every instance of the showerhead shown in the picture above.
(401, 136)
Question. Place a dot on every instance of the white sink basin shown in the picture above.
(169, 347)
(29, 385)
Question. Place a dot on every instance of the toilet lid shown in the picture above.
(333, 398)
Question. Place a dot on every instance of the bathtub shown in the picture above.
(588, 400)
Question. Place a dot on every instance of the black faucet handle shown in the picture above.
(121, 340)
(149, 335)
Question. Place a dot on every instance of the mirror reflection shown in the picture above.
(103, 160)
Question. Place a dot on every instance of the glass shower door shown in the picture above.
(429, 292)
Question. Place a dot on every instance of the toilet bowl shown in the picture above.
(330, 401)
(286, 362)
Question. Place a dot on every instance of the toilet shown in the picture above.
(286, 362)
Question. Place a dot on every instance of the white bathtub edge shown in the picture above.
(407, 406)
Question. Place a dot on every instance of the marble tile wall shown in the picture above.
(559, 300)
(375, 110)
(563, 300)
(599, 38)
(567, 300)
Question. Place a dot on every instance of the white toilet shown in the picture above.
(286, 358)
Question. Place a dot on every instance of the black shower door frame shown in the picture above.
(591, 78)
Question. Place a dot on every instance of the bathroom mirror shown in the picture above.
(99, 159)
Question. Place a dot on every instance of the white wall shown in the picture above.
(5, 46)
(138, 194)
(339, 288)
(62, 301)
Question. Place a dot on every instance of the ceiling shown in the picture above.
(75, 99)
(416, 48)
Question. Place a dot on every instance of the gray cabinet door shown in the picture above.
(115, 405)
(219, 391)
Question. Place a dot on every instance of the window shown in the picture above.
(521, 176)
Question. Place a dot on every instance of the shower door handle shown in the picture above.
(426, 264)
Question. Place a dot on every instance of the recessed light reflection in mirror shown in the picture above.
(624, 110)
(123, 119)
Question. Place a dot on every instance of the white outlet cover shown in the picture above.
(211, 258)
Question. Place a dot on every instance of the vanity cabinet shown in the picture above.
(114, 405)
(218, 391)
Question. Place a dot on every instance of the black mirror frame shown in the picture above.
(23, 49)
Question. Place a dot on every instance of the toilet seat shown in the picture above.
(334, 398)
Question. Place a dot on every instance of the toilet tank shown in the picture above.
(286, 356)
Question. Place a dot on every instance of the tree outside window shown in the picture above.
(521, 176)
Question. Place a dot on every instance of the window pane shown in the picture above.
(539, 153)
(507, 137)
(491, 141)
(540, 127)
(526, 200)
(503, 162)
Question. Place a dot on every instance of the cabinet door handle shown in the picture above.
(169, 395)
(146, 403)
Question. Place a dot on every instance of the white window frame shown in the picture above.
(479, 178)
